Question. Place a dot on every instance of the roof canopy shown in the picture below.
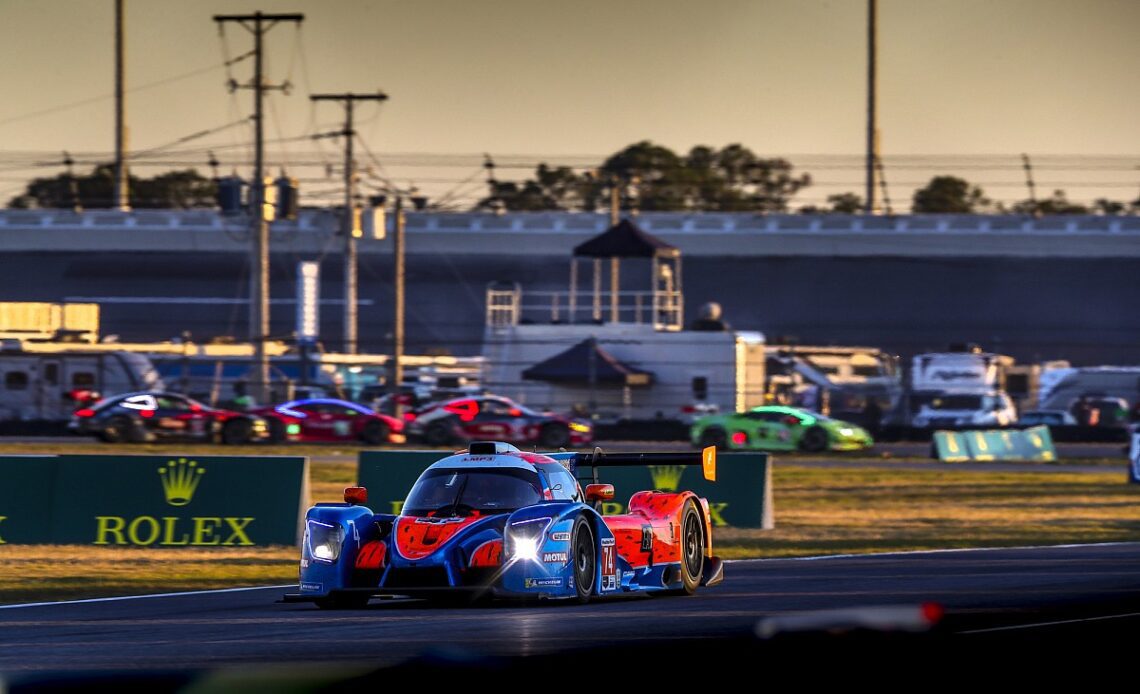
(624, 240)
(573, 366)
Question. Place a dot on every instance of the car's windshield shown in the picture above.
(459, 492)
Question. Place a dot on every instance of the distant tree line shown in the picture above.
(185, 189)
(646, 176)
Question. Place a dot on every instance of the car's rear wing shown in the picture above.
(706, 458)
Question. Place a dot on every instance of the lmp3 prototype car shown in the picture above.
(778, 428)
(493, 521)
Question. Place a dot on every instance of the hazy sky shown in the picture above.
(587, 77)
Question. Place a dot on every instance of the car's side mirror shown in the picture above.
(357, 496)
(599, 492)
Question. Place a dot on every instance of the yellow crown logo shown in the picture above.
(666, 478)
(180, 479)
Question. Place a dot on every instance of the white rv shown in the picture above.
(47, 385)
(960, 389)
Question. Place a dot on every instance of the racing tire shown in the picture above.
(714, 436)
(438, 433)
(375, 433)
(343, 601)
(585, 560)
(276, 430)
(692, 549)
(814, 440)
(554, 435)
(237, 432)
(117, 430)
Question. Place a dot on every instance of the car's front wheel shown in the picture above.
(585, 560)
(814, 440)
(692, 548)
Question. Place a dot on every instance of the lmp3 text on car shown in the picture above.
(492, 521)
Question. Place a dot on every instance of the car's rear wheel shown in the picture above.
(585, 560)
(692, 548)
(117, 429)
(375, 432)
(714, 436)
(237, 431)
(438, 433)
(554, 435)
(814, 440)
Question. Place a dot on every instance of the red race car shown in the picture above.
(491, 417)
(327, 419)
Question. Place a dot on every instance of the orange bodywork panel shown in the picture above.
(416, 538)
(372, 555)
(488, 554)
(655, 513)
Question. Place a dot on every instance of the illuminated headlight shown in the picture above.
(580, 428)
(846, 431)
(324, 541)
(525, 537)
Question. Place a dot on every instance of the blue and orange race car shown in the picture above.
(493, 521)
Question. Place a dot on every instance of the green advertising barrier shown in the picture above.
(26, 482)
(1035, 444)
(741, 496)
(154, 501)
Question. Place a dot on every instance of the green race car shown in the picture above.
(777, 428)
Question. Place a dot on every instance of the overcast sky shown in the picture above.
(587, 77)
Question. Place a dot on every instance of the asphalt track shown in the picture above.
(987, 595)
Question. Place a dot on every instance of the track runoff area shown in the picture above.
(875, 608)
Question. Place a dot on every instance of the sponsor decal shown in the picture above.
(555, 557)
(180, 480)
(560, 537)
(542, 583)
(647, 538)
(439, 521)
(607, 542)
(609, 568)
(304, 563)
(666, 478)
(312, 587)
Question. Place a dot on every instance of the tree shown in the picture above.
(845, 203)
(171, 190)
(948, 195)
(1109, 207)
(655, 178)
(1057, 204)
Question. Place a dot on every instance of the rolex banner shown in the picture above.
(741, 496)
(153, 501)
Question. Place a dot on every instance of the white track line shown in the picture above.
(821, 557)
(1051, 624)
(143, 597)
(872, 555)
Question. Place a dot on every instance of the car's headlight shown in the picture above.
(846, 431)
(524, 538)
(324, 540)
(580, 428)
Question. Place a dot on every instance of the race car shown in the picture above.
(492, 521)
(494, 417)
(778, 428)
(329, 419)
(158, 416)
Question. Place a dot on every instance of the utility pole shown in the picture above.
(258, 24)
(348, 227)
(122, 200)
(872, 128)
(398, 312)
